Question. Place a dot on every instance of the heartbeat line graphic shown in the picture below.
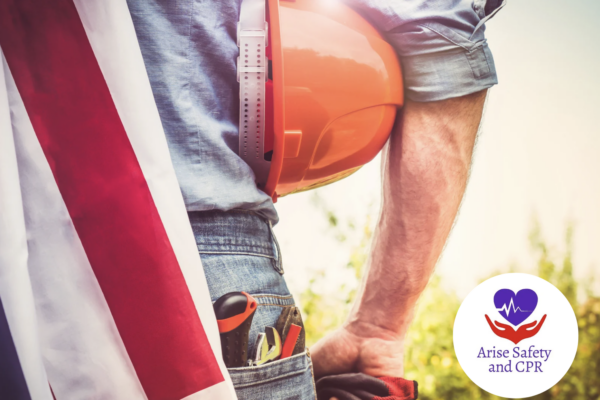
(511, 306)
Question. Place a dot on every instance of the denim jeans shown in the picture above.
(240, 253)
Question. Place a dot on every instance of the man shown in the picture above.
(189, 48)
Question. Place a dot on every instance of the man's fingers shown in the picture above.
(334, 354)
(343, 352)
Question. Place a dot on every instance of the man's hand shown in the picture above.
(424, 169)
(359, 348)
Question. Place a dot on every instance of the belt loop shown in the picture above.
(278, 262)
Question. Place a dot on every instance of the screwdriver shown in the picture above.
(234, 312)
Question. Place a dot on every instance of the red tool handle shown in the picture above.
(290, 341)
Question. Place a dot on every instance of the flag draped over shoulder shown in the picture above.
(102, 293)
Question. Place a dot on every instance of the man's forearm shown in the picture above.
(425, 170)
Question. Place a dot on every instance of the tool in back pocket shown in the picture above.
(234, 313)
(291, 329)
(268, 346)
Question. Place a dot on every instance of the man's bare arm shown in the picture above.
(425, 170)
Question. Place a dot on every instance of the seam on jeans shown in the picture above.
(271, 364)
(233, 241)
(232, 244)
(274, 305)
(287, 301)
(296, 372)
(237, 253)
(278, 262)
(235, 245)
(223, 212)
(269, 304)
(287, 296)
(312, 378)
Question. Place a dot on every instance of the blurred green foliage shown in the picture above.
(430, 357)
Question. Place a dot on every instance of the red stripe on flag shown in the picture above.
(103, 186)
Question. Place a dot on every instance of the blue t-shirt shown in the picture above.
(189, 48)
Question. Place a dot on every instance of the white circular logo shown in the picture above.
(515, 335)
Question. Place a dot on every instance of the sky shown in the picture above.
(537, 156)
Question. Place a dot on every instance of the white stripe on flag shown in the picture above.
(112, 36)
(15, 286)
(83, 353)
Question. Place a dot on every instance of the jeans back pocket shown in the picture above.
(287, 379)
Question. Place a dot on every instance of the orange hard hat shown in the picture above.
(331, 93)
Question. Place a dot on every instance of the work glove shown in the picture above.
(359, 386)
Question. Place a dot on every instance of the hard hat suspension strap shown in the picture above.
(252, 71)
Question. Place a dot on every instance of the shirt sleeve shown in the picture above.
(440, 43)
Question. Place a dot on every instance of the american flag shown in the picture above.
(102, 290)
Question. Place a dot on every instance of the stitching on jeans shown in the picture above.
(270, 305)
(297, 372)
(232, 245)
(224, 241)
(273, 305)
(287, 296)
(312, 378)
(271, 364)
(237, 253)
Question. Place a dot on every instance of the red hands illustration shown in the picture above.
(523, 332)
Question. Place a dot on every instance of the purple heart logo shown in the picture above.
(515, 308)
